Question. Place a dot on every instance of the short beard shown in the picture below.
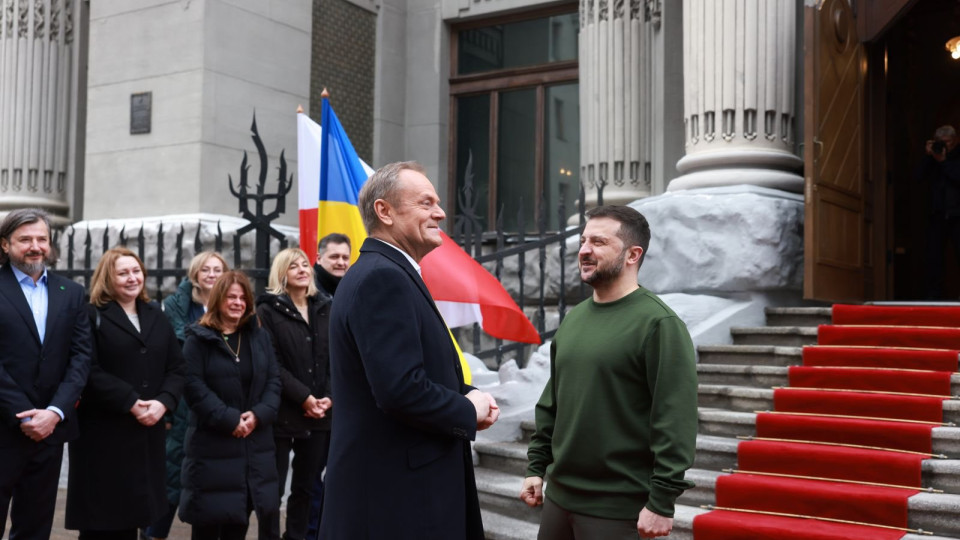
(31, 269)
(606, 274)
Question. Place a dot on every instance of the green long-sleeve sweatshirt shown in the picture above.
(617, 421)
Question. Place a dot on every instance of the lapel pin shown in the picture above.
(62, 288)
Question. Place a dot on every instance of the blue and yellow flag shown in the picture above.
(341, 177)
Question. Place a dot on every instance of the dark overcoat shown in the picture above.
(400, 464)
(302, 350)
(35, 375)
(116, 478)
(219, 470)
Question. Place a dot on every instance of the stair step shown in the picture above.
(763, 355)
(499, 527)
(783, 336)
(935, 512)
(735, 398)
(506, 457)
(724, 423)
(759, 376)
(751, 399)
(798, 316)
(500, 493)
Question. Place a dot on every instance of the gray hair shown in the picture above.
(945, 131)
(18, 218)
(382, 185)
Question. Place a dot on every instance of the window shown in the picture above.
(515, 145)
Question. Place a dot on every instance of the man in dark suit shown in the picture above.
(44, 362)
(400, 463)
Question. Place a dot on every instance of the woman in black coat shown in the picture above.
(116, 479)
(296, 317)
(233, 390)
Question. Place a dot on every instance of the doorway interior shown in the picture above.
(922, 92)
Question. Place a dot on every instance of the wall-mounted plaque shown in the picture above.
(140, 105)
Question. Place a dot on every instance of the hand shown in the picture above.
(248, 422)
(493, 415)
(324, 404)
(652, 525)
(481, 402)
(39, 423)
(148, 412)
(532, 491)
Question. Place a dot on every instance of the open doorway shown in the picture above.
(922, 92)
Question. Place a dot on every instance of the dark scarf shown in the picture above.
(326, 280)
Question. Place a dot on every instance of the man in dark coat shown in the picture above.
(44, 363)
(400, 464)
(940, 171)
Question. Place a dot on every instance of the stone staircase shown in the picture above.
(735, 381)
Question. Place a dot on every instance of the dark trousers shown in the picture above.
(939, 232)
(219, 532)
(309, 457)
(161, 527)
(316, 501)
(29, 476)
(559, 524)
(126, 534)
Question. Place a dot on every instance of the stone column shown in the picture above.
(618, 71)
(37, 103)
(739, 66)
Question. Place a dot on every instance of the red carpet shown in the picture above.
(857, 404)
(930, 337)
(908, 382)
(879, 433)
(897, 315)
(724, 525)
(928, 359)
(867, 504)
(824, 461)
(865, 366)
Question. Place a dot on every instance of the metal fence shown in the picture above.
(527, 253)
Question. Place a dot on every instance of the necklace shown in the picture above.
(236, 353)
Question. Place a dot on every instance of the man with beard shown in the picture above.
(617, 420)
(44, 362)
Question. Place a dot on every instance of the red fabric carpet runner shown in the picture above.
(888, 366)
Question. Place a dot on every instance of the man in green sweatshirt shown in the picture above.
(617, 421)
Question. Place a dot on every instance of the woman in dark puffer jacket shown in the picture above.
(296, 317)
(233, 390)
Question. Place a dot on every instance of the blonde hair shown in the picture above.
(193, 271)
(277, 280)
(101, 290)
(212, 318)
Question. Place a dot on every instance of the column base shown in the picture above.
(768, 178)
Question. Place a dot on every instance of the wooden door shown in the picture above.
(836, 236)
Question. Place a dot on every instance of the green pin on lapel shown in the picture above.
(62, 288)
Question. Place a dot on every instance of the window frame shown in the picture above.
(494, 82)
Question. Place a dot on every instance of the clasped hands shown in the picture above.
(248, 422)
(148, 412)
(38, 424)
(487, 409)
(316, 408)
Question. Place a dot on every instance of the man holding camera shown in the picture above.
(940, 171)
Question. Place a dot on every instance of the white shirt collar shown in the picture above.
(405, 254)
(21, 276)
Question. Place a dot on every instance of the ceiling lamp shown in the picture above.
(954, 47)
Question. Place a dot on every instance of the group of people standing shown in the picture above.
(193, 406)
(616, 423)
